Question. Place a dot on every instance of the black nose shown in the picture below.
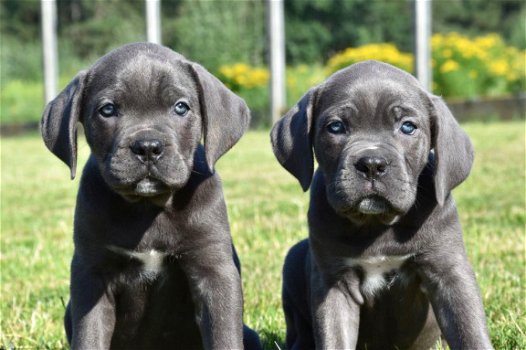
(147, 150)
(372, 167)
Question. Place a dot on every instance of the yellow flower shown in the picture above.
(499, 67)
(449, 66)
(386, 52)
(240, 68)
(259, 76)
(226, 71)
(488, 41)
(241, 75)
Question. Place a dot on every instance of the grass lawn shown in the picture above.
(267, 211)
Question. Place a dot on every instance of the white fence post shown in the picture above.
(153, 21)
(49, 48)
(422, 35)
(276, 34)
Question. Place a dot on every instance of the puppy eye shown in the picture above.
(336, 127)
(108, 110)
(181, 108)
(408, 128)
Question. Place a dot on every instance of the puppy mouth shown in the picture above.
(146, 187)
(150, 187)
(373, 205)
(373, 209)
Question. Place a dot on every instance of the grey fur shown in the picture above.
(385, 265)
(154, 265)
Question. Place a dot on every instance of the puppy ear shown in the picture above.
(453, 151)
(292, 140)
(225, 115)
(59, 122)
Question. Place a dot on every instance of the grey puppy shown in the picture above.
(384, 266)
(153, 266)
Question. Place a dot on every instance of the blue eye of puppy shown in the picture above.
(336, 127)
(181, 108)
(408, 128)
(108, 110)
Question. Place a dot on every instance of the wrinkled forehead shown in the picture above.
(142, 78)
(370, 93)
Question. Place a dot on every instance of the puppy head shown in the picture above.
(372, 128)
(144, 109)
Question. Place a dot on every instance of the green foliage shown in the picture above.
(267, 212)
(476, 17)
(387, 53)
(21, 102)
(251, 83)
(483, 66)
(462, 67)
(217, 32)
(87, 35)
(20, 60)
(20, 19)
(316, 29)
(301, 78)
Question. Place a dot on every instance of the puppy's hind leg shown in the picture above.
(250, 339)
(294, 296)
(67, 323)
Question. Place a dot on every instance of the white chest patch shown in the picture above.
(374, 269)
(152, 261)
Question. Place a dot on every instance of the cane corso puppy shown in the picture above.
(385, 265)
(153, 265)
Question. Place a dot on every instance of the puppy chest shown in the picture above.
(378, 272)
(151, 263)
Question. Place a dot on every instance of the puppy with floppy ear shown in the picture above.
(385, 265)
(154, 265)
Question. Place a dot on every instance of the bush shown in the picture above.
(21, 102)
(251, 83)
(482, 66)
(20, 60)
(462, 67)
(388, 53)
(301, 78)
(241, 76)
(214, 33)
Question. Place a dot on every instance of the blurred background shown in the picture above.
(478, 46)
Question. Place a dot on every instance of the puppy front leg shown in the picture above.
(456, 302)
(336, 315)
(92, 310)
(216, 290)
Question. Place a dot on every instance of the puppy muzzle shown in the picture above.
(371, 184)
(147, 163)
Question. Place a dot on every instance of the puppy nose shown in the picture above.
(147, 150)
(372, 167)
